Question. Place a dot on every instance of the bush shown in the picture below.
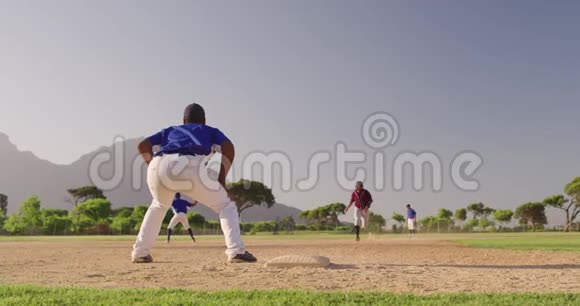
(264, 226)
(196, 220)
(395, 228)
(56, 225)
(13, 225)
(101, 228)
(314, 227)
(246, 227)
(300, 227)
(122, 212)
(122, 225)
(212, 227)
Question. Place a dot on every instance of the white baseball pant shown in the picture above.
(173, 173)
(411, 224)
(361, 217)
(179, 218)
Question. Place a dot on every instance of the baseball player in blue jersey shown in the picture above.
(179, 207)
(411, 221)
(179, 166)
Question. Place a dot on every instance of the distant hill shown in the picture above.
(23, 174)
(276, 211)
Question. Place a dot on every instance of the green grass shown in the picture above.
(549, 241)
(545, 241)
(33, 295)
(306, 235)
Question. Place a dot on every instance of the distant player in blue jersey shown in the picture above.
(179, 166)
(411, 221)
(180, 207)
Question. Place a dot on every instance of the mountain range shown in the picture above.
(23, 174)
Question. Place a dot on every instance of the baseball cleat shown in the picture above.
(144, 259)
(190, 231)
(241, 258)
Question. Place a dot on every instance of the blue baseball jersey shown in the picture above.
(187, 139)
(180, 206)
(411, 213)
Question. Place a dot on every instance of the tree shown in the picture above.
(461, 214)
(444, 219)
(81, 194)
(26, 219)
(479, 210)
(96, 210)
(324, 216)
(531, 213)
(429, 223)
(250, 193)
(287, 223)
(570, 206)
(503, 215)
(122, 224)
(2, 220)
(376, 222)
(93, 212)
(122, 212)
(484, 223)
(137, 215)
(471, 223)
(55, 221)
(14, 225)
(572, 189)
(3, 204)
(3, 209)
(30, 211)
(444, 214)
(399, 218)
(127, 219)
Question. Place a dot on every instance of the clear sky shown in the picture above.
(501, 78)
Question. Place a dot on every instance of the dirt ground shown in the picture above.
(398, 265)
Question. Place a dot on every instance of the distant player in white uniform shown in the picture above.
(178, 166)
(411, 221)
(362, 200)
(179, 207)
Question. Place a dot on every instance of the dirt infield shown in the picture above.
(397, 265)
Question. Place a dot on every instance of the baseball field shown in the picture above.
(494, 268)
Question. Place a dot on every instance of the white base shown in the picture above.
(290, 261)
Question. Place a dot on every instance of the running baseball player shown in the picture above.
(362, 200)
(179, 207)
(179, 166)
(411, 220)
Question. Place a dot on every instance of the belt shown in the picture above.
(174, 153)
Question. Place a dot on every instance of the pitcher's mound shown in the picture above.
(290, 261)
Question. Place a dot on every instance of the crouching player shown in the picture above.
(178, 166)
(179, 207)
